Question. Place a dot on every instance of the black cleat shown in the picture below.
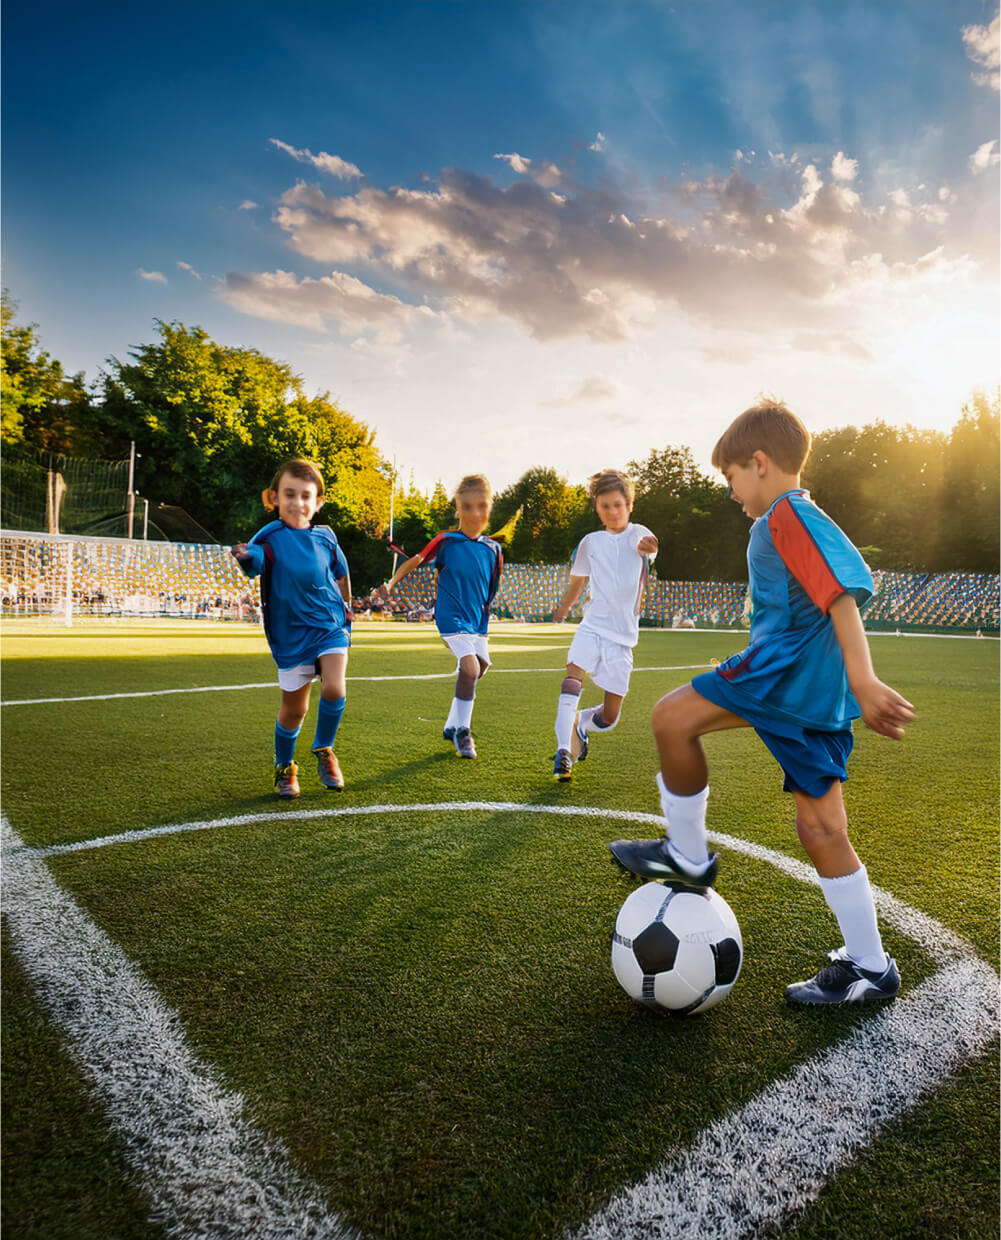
(844, 981)
(657, 859)
(562, 766)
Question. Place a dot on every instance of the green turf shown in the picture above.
(420, 1005)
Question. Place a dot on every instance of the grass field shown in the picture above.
(418, 1005)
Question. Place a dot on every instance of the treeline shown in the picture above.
(211, 421)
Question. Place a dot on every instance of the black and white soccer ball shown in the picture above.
(675, 948)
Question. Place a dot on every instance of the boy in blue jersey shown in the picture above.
(804, 677)
(306, 602)
(469, 567)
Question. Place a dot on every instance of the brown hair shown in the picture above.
(299, 468)
(769, 427)
(610, 480)
(474, 482)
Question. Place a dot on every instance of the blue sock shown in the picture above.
(328, 718)
(284, 744)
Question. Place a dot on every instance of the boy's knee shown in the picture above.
(816, 827)
(666, 719)
(571, 685)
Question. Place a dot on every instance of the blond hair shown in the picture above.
(474, 484)
(610, 480)
(769, 427)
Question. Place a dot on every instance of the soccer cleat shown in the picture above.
(844, 981)
(563, 766)
(657, 859)
(463, 741)
(329, 769)
(287, 780)
(448, 734)
(578, 742)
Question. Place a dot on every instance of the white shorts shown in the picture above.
(467, 643)
(608, 663)
(292, 678)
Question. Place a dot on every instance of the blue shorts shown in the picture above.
(810, 760)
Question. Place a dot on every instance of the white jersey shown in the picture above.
(618, 575)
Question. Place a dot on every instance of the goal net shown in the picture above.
(62, 577)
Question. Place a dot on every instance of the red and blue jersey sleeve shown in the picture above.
(430, 552)
(817, 553)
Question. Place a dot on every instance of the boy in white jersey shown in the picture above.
(616, 560)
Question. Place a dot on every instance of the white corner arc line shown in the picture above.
(273, 684)
(207, 1169)
(758, 1167)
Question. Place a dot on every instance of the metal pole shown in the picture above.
(131, 500)
(69, 585)
(145, 518)
(392, 510)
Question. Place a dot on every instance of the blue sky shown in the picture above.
(542, 233)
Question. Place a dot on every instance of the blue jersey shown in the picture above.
(304, 613)
(469, 571)
(792, 673)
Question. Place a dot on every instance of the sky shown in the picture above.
(508, 235)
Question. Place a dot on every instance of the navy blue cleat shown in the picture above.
(844, 981)
(658, 859)
(448, 734)
(562, 766)
(463, 742)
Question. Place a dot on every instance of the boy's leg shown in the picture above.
(291, 713)
(333, 692)
(567, 704)
(679, 720)
(465, 690)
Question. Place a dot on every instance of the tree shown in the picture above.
(702, 533)
(555, 516)
(968, 528)
(42, 407)
(211, 423)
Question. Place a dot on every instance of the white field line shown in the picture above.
(207, 1170)
(273, 684)
(756, 1169)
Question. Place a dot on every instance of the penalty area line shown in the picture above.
(272, 684)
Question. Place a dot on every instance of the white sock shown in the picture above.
(566, 712)
(450, 721)
(463, 711)
(850, 900)
(686, 822)
(587, 723)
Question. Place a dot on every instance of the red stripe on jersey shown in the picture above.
(432, 547)
(802, 557)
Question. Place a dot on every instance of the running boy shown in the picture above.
(469, 567)
(306, 602)
(617, 561)
(804, 677)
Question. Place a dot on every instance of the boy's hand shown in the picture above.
(883, 709)
(647, 545)
(559, 615)
(240, 550)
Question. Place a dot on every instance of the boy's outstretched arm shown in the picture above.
(250, 557)
(570, 596)
(883, 709)
(406, 567)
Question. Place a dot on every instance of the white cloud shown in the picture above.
(333, 164)
(156, 276)
(544, 173)
(188, 268)
(593, 388)
(248, 205)
(843, 168)
(517, 162)
(599, 142)
(983, 46)
(984, 157)
(353, 305)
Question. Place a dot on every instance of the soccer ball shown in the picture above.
(676, 948)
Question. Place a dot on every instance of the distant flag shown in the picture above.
(506, 531)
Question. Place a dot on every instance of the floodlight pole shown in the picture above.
(392, 510)
(145, 518)
(130, 502)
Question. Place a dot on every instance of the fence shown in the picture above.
(61, 576)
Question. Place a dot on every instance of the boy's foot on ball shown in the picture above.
(287, 781)
(658, 859)
(844, 981)
(563, 766)
(329, 769)
(463, 741)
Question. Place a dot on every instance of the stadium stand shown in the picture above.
(118, 577)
